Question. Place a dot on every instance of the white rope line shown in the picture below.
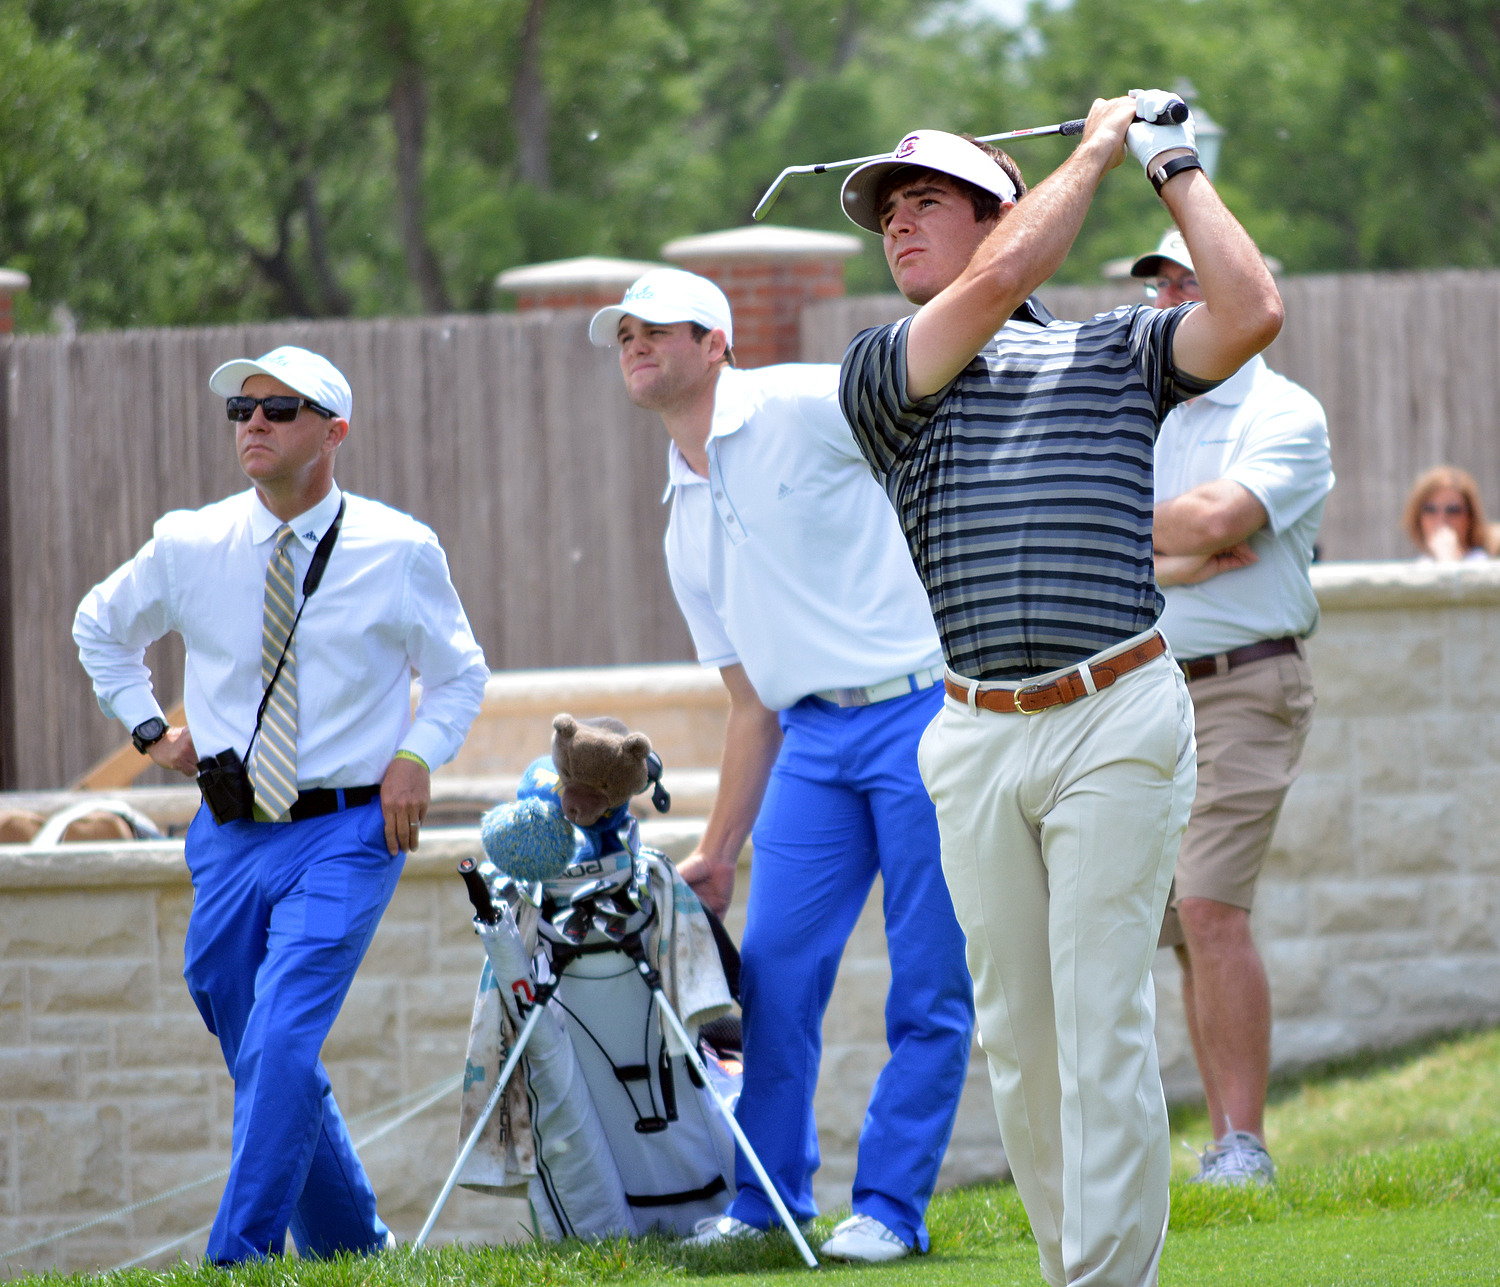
(444, 1090)
(429, 1096)
(165, 1247)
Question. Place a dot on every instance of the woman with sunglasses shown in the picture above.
(1445, 518)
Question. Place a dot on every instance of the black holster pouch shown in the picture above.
(226, 787)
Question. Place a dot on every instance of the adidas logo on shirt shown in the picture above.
(783, 492)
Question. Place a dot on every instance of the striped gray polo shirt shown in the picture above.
(1024, 487)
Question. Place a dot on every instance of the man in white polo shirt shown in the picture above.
(787, 561)
(1242, 472)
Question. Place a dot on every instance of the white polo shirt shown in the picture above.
(1271, 436)
(788, 558)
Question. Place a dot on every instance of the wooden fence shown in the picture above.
(508, 434)
(511, 436)
(1407, 366)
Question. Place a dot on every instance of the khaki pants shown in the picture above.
(1059, 834)
(1252, 723)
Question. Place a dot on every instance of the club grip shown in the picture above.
(1174, 113)
(1072, 127)
(479, 892)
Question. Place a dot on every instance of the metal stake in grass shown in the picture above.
(1177, 112)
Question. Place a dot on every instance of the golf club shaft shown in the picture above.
(670, 1016)
(1036, 131)
(490, 1105)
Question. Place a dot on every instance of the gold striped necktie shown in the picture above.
(274, 772)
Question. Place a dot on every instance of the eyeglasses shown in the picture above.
(1156, 285)
(1447, 511)
(277, 407)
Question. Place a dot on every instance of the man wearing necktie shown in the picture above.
(304, 611)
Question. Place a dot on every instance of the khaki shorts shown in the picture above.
(1251, 725)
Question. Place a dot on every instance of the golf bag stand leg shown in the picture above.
(493, 1102)
(637, 952)
(485, 911)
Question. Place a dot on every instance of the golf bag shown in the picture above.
(605, 1123)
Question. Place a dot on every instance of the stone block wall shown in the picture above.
(1379, 917)
(1378, 912)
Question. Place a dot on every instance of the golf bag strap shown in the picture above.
(714, 1186)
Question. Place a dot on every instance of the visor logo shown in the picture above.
(906, 147)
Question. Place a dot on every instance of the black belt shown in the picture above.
(1222, 663)
(321, 800)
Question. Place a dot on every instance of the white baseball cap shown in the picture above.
(666, 295)
(926, 150)
(1172, 247)
(313, 376)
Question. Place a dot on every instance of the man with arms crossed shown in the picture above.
(1241, 476)
(287, 894)
(787, 562)
(1061, 765)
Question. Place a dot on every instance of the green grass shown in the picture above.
(1389, 1177)
(1438, 1090)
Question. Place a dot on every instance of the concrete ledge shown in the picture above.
(144, 863)
(1406, 585)
(455, 799)
(533, 692)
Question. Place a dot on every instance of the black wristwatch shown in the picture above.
(148, 733)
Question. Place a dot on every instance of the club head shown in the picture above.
(763, 208)
(572, 923)
(587, 893)
(611, 926)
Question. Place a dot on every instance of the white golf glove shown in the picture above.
(1147, 141)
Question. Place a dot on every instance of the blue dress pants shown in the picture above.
(282, 916)
(844, 802)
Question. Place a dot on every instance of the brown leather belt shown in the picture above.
(1028, 699)
(1221, 663)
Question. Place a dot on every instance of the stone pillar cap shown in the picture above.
(573, 274)
(13, 280)
(764, 241)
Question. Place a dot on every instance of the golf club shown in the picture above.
(1176, 111)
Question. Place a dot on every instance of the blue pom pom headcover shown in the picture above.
(528, 839)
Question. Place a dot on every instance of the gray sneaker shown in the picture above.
(1237, 1158)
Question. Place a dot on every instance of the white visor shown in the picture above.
(926, 150)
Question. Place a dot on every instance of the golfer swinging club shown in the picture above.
(1018, 453)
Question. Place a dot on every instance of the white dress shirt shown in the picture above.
(1270, 436)
(788, 557)
(386, 607)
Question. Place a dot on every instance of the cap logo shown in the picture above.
(639, 292)
(906, 147)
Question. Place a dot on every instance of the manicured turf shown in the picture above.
(1389, 1177)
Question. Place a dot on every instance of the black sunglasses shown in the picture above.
(279, 406)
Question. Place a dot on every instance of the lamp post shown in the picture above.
(1208, 132)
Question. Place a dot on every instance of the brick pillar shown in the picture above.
(769, 273)
(12, 283)
(588, 282)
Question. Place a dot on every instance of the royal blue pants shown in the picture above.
(282, 916)
(844, 802)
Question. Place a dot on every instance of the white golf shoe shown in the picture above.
(717, 1229)
(865, 1239)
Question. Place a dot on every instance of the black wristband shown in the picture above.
(1175, 166)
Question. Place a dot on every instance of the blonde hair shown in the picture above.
(1478, 536)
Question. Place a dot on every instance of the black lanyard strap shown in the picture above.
(310, 582)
